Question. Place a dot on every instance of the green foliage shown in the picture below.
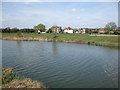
(110, 26)
(40, 27)
(27, 30)
(117, 32)
(55, 36)
(107, 30)
(88, 31)
(50, 30)
(15, 30)
(19, 34)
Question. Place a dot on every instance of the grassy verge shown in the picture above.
(71, 38)
(11, 79)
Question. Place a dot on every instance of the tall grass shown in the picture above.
(68, 37)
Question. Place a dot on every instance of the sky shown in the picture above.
(64, 14)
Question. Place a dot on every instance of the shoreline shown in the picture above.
(11, 79)
(107, 44)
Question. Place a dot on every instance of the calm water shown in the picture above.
(63, 65)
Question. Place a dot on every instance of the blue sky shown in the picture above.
(73, 14)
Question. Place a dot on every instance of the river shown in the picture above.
(63, 65)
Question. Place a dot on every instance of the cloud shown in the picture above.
(72, 16)
(77, 10)
(74, 10)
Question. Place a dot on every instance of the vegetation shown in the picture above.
(40, 27)
(30, 35)
(11, 79)
(110, 27)
(71, 38)
(15, 30)
(19, 34)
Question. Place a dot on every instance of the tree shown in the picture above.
(110, 26)
(40, 27)
(14, 30)
(50, 30)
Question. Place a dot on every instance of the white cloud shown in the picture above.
(77, 10)
(74, 10)
(72, 17)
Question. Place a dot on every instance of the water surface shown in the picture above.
(63, 65)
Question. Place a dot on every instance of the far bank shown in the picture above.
(103, 40)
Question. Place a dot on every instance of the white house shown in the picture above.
(82, 31)
(38, 31)
(43, 32)
(68, 30)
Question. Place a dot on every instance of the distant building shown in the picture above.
(101, 31)
(75, 30)
(68, 30)
(117, 30)
(56, 29)
(38, 31)
(43, 32)
(82, 31)
(91, 30)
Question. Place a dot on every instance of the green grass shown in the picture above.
(70, 37)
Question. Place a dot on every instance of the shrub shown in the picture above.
(19, 34)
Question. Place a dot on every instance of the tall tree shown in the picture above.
(40, 27)
(110, 26)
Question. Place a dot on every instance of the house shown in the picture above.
(82, 31)
(56, 29)
(117, 31)
(101, 31)
(75, 30)
(91, 30)
(68, 30)
(88, 30)
(43, 32)
(38, 31)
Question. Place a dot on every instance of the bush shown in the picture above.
(19, 34)
(8, 75)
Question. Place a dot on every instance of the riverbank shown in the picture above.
(68, 38)
(11, 79)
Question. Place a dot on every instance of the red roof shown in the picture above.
(69, 28)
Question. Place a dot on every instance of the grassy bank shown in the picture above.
(70, 38)
(11, 79)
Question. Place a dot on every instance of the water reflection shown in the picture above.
(54, 48)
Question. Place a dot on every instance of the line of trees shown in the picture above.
(109, 27)
(39, 27)
(14, 30)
